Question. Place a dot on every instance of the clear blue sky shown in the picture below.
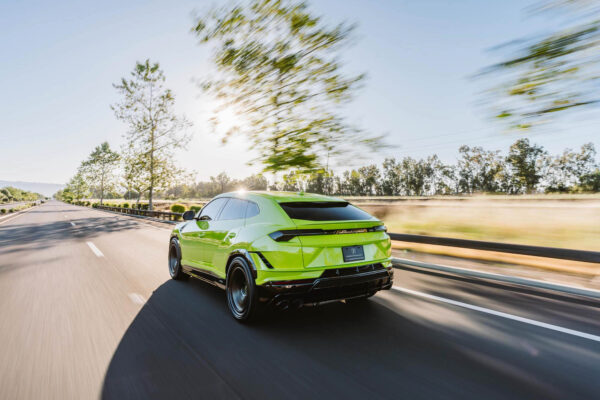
(60, 58)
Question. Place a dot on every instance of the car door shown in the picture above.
(194, 231)
(222, 235)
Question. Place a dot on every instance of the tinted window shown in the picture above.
(212, 209)
(234, 209)
(324, 211)
(252, 210)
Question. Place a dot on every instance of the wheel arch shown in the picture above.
(245, 255)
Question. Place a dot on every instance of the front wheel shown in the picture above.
(241, 290)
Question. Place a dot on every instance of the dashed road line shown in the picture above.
(500, 314)
(73, 223)
(96, 251)
(137, 298)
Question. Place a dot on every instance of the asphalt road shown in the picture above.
(87, 310)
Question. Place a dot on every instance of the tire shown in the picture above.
(242, 294)
(175, 261)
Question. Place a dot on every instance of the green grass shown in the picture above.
(554, 222)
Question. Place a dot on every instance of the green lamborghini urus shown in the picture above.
(283, 249)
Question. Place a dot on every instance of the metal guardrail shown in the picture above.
(538, 251)
(170, 216)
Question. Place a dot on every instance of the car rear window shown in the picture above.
(324, 211)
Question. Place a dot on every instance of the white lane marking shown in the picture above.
(137, 298)
(97, 252)
(72, 223)
(500, 314)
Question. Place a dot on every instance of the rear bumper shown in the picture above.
(337, 284)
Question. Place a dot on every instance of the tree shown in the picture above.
(567, 170)
(554, 74)
(526, 161)
(222, 181)
(479, 170)
(278, 68)
(77, 186)
(135, 174)
(255, 182)
(154, 128)
(99, 167)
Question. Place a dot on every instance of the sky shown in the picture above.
(60, 59)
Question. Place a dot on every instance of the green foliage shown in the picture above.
(154, 129)
(77, 188)
(125, 205)
(2, 210)
(11, 210)
(527, 162)
(195, 208)
(178, 208)
(589, 182)
(279, 70)
(554, 74)
(98, 168)
(11, 194)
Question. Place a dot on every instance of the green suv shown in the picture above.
(284, 249)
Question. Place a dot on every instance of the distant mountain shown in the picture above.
(47, 189)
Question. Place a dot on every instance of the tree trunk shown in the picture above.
(101, 189)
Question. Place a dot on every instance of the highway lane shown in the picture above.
(87, 310)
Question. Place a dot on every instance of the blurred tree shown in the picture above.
(479, 170)
(278, 68)
(78, 186)
(590, 182)
(99, 167)
(134, 172)
(390, 182)
(255, 182)
(567, 170)
(222, 181)
(527, 164)
(553, 74)
(154, 128)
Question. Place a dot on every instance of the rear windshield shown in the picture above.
(324, 211)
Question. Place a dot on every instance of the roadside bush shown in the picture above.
(125, 205)
(195, 208)
(177, 208)
(94, 205)
(3, 211)
(12, 210)
(87, 203)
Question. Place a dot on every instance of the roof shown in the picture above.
(283, 196)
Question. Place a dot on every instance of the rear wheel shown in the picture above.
(175, 261)
(241, 290)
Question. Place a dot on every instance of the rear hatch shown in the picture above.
(334, 234)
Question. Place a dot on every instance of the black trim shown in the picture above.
(334, 284)
(205, 276)
(263, 258)
(287, 234)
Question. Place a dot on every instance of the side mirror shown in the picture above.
(188, 215)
